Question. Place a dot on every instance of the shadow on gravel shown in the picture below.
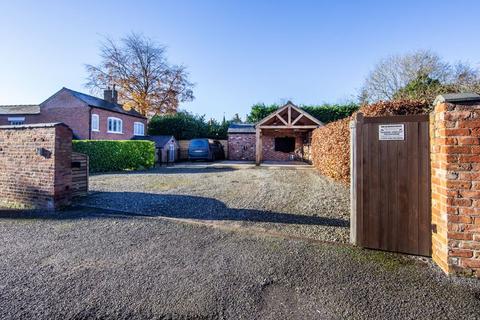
(171, 170)
(126, 205)
(194, 207)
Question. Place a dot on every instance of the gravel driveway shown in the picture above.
(132, 263)
(299, 202)
(98, 264)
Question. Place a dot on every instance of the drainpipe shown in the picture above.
(90, 123)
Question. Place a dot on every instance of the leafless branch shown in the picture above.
(139, 69)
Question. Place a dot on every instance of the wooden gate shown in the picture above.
(390, 189)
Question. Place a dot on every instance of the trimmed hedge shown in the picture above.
(331, 112)
(106, 155)
(186, 126)
(331, 143)
(331, 150)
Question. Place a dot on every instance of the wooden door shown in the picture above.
(391, 184)
(171, 154)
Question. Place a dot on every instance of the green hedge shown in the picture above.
(185, 126)
(119, 155)
(331, 112)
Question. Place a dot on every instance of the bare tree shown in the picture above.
(138, 67)
(395, 72)
(465, 78)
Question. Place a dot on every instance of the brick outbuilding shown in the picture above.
(283, 135)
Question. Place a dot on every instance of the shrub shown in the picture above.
(395, 108)
(331, 143)
(117, 155)
(185, 126)
(259, 111)
(181, 125)
(331, 112)
(331, 150)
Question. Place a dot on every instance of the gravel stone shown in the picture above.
(130, 262)
(101, 264)
(299, 203)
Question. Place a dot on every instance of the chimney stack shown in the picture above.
(110, 95)
(114, 95)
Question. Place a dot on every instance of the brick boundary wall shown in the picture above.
(455, 163)
(35, 166)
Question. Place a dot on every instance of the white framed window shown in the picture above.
(115, 125)
(95, 122)
(15, 121)
(138, 129)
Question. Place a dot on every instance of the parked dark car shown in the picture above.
(205, 149)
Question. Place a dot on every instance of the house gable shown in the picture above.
(75, 109)
(289, 116)
(63, 107)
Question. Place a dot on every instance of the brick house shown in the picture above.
(281, 136)
(89, 117)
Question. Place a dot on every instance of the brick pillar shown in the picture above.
(35, 166)
(455, 156)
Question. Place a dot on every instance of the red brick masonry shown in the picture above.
(241, 146)
(35, 166)
(268, 146)
(455, 154)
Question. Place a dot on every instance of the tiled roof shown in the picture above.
(20, 109)
(241, 128)
(102, 104)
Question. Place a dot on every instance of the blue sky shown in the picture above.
(237, 52)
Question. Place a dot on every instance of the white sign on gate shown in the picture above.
(391, 132)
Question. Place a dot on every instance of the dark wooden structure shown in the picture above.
(390, 187)
(79, 174)
(287, 120)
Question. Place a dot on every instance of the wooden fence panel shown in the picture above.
(390, 189)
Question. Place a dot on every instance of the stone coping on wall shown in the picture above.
(34, 125)
(457, 98)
